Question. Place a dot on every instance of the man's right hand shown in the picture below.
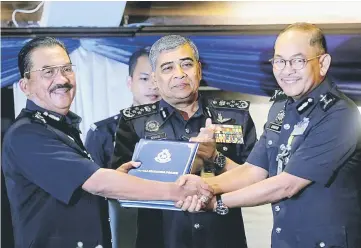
(196, 193)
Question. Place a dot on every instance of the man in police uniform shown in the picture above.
(52, 183)
(100, 144)
(307, 163)
(179, 116)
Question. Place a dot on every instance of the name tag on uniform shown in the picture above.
(229, 134)
(274, 127)
(158, 136)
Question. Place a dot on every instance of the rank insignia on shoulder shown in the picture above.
(327, 101)
(138, 111)
(221, 119)
(230, 104)
(278, 95)
(93, 127)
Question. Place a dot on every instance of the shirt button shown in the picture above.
(277, 208)
(278, 230)
(322, 244)
(80, 244)
(197, 226)
(187, 130)
(270, 142)
(286, 126)
(109, 219)
(225, 148)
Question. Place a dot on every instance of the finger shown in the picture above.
(178, 204)
(187, 202)
(181, 181)
(128, 166)
(199, 206)
(208, 122)
(134, 164)
(206, 192)
(192, 207)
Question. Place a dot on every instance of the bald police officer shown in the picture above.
(100, 144)
(307, 163)
(179, 116)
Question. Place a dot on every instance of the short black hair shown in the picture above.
(24, 56)
(133, 60)
(317, 39)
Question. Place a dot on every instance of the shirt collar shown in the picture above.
(70, 118)
(171, 109)
(312, 97)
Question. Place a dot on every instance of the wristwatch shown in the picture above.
(220, 161)
(221, 209)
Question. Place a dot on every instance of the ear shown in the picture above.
(200, 70)
(325, 62)
(24, 86)
(129, 82)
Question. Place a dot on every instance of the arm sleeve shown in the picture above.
(258, 155)
(327, 147)
(48, 162)
(125, 140)
(249, 138)
(94, 143)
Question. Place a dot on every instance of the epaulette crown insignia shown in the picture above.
(138, 111)
(231, 104)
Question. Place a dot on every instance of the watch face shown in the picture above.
(222, 210)
(220, 160)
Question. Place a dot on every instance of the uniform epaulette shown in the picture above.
(106, 121)
(278, 95)
(138, 111)
(230, 104)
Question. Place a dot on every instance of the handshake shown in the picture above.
(204, 198)
(195, 194)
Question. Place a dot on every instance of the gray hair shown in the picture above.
(169, 42)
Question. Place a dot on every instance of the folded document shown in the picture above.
(161, 160)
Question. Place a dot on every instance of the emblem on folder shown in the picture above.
(163, 157)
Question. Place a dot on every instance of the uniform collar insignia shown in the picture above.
(304, 105)
(278, 95)
(327, 101)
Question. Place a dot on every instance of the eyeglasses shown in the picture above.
(296, 63)
(50, 72)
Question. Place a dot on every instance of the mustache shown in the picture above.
(61, 86)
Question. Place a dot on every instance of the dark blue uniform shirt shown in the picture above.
(162, 121)
(100, 140)
(99, 143)
(45, 164)
(315, 138)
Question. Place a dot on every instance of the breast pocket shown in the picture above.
(272, 144)
(322, 237)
